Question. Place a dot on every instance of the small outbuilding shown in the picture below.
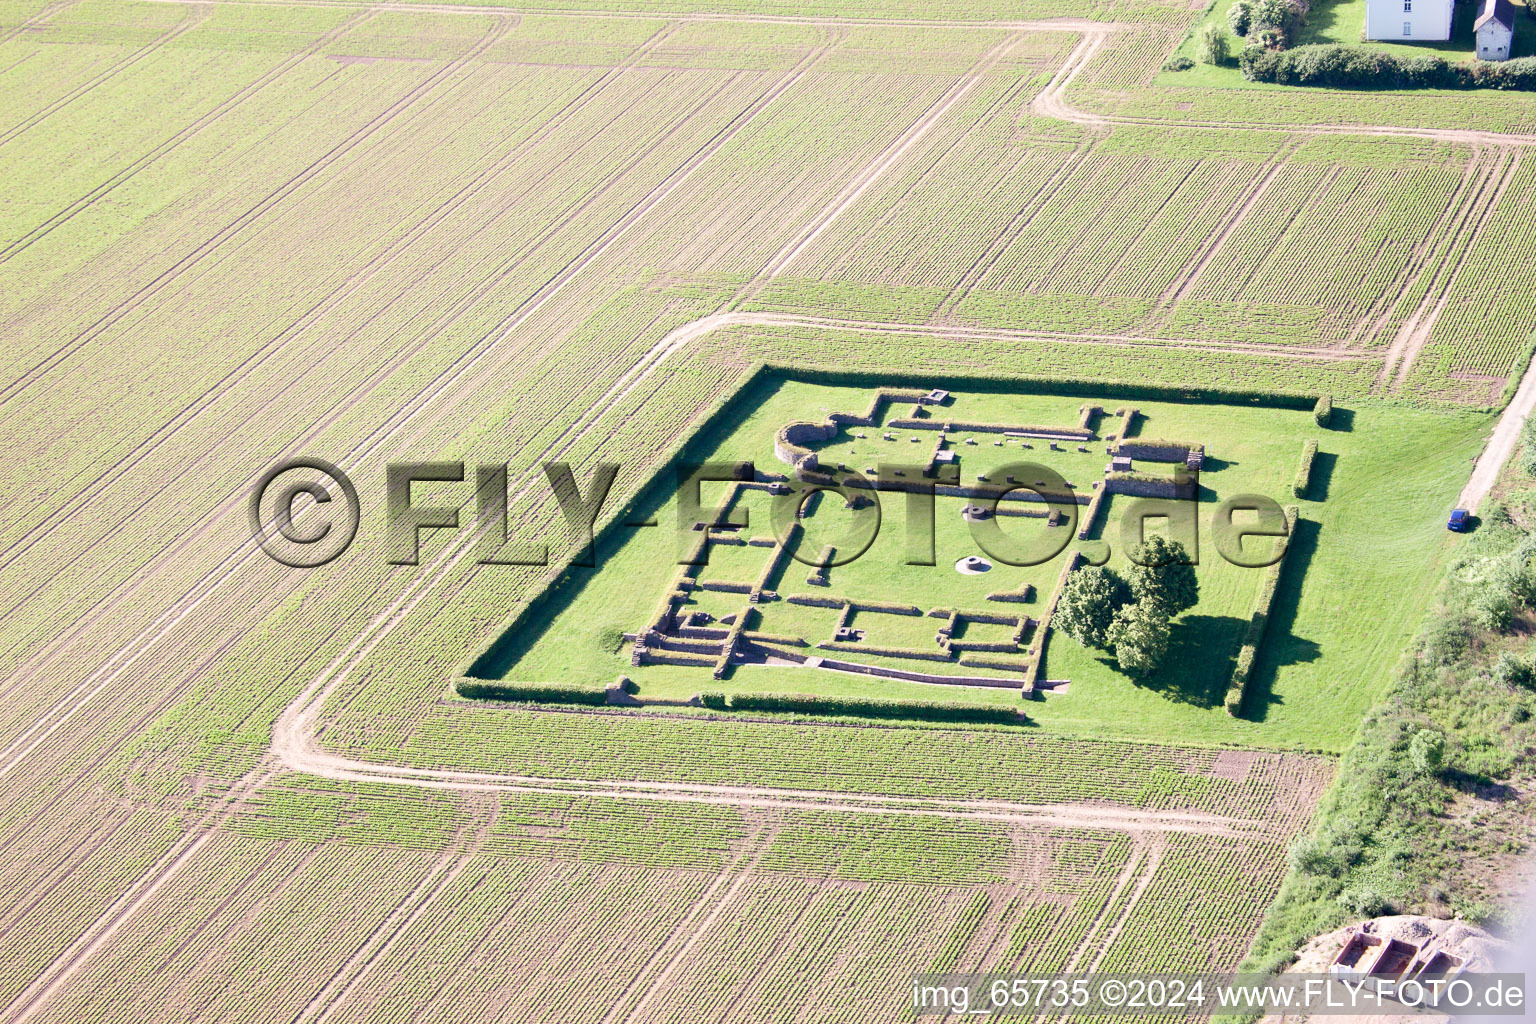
(1495, 27)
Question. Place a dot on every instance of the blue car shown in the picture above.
(1458, 520)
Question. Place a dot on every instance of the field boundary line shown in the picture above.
(1424, 325)
(252, 214)
(123, 909)
(1184, 281)
(201, 13)
(322, 308)
(1376, 317)
(41, 16)
(245, 92)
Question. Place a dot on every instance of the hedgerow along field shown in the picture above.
(236, 230)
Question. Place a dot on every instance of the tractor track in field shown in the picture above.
(1237, 215)
(177, 857)
(1414, 335)
(200, 13)
(458, 856)
(294, 736)
(231, 228)
(69, 212)
(328, 304)
(333, 301)
(210, 580)
(313, 696)
(37, 19)
(1375, 319)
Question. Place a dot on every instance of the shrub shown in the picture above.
(1281, 14)
(1212, 45)
(1426, 751)
(1512, 670)
(1335, 66)
(1322, 412)
(1239, 17)
(713, 699)
(1447, 640)
(1304, 471)
(1365, 901)
(1178, 63)
(1528, 448)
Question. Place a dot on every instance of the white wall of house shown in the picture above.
(1493, 41)
(1407, 20)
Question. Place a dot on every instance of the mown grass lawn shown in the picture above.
(1367, 554)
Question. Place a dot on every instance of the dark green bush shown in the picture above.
(1335, 66)
(1239, 18)
(545, 693)
(1304, 471)
(1322, 412)
(808, 704)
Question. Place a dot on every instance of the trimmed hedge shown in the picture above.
(1247, 656)
(1322, 412)
(1076, 386)
(713, 699)
(863, 707)
(1334, 66)
(542, 693)
(1304, 471)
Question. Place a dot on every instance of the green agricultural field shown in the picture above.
(1369, 534)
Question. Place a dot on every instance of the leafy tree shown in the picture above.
(1280, 14)
(1088, 604)
(1212, 45)
(1139, 637)
(1426, 751)
(1161, 573)
(1239, 17)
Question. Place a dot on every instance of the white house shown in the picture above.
(1408, 20)
(1495, 30)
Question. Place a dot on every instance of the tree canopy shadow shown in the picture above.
(1202, 651)
(1280, 645)
(1323, 464)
